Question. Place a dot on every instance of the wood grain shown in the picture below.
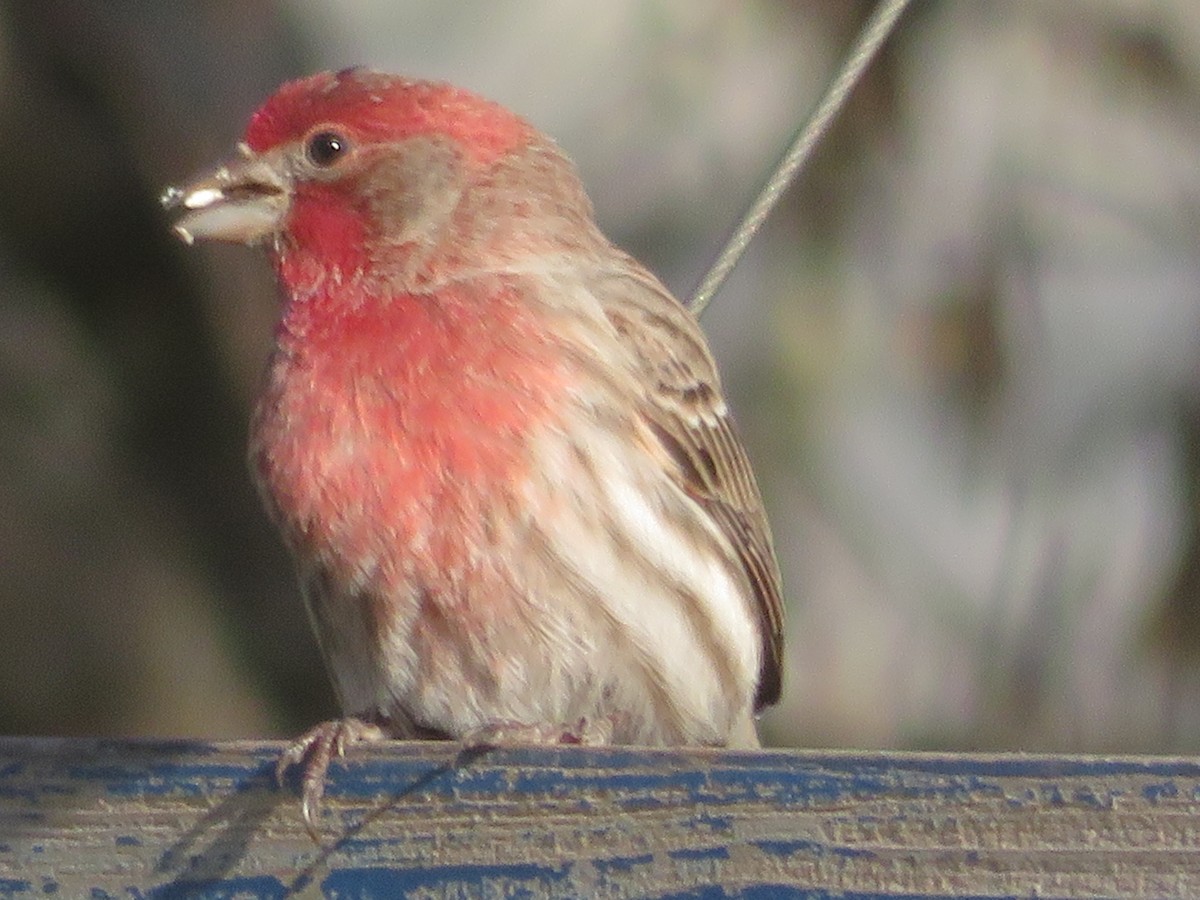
(105, 818)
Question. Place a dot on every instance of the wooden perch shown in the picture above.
(106, 818)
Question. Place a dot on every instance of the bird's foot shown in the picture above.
(314, 750)
(590, 732)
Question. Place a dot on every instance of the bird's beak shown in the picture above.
(242, 201)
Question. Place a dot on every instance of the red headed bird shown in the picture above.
(494, 443)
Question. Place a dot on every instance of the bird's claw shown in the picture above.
(589, 732)
(313, 751)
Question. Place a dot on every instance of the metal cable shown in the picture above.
(873, 34)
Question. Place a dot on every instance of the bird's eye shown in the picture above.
(325, 148)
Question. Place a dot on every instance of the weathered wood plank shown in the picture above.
(163, 819)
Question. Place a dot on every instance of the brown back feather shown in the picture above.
(687, 413)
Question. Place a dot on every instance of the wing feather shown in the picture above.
(686, 411)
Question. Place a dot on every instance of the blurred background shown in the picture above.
(965, 354)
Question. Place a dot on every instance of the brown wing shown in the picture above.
(688, 414)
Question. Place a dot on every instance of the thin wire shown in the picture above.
(873, 34)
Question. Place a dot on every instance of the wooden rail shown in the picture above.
(106, 818)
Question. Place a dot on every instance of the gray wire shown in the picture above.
(873, 34)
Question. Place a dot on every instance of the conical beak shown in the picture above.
(243, 201)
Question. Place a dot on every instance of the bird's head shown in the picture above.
(356, 166)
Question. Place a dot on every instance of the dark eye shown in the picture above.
(325, 148)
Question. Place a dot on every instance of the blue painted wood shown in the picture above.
(192, 819)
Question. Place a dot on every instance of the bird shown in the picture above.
(496, 446)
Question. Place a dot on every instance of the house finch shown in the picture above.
(494, 443)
